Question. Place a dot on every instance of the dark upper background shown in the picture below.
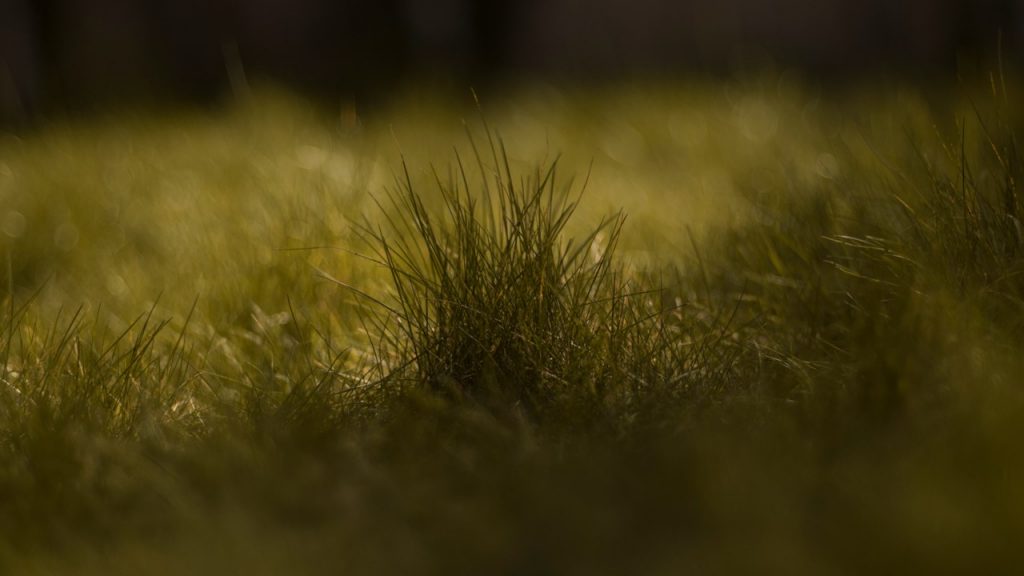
(66, 55)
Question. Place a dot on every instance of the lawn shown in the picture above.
(744, 325)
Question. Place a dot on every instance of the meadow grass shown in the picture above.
(720, 328)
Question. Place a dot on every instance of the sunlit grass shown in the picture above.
(743, 326)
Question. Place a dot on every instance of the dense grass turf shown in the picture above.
(720, 328)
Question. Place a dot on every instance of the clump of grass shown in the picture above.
(493, 304)
(965, 221)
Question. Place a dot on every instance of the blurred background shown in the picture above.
(72, 55)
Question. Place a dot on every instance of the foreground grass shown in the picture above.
(267, 342)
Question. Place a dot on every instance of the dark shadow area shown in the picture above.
(79, 55)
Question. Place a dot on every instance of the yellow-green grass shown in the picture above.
(283, 338)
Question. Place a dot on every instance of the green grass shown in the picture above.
(715, 328)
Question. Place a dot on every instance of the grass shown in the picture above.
(494, 306)
(262, 340)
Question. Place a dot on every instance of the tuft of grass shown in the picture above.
(492, 304)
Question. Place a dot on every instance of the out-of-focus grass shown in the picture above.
(224, 348)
